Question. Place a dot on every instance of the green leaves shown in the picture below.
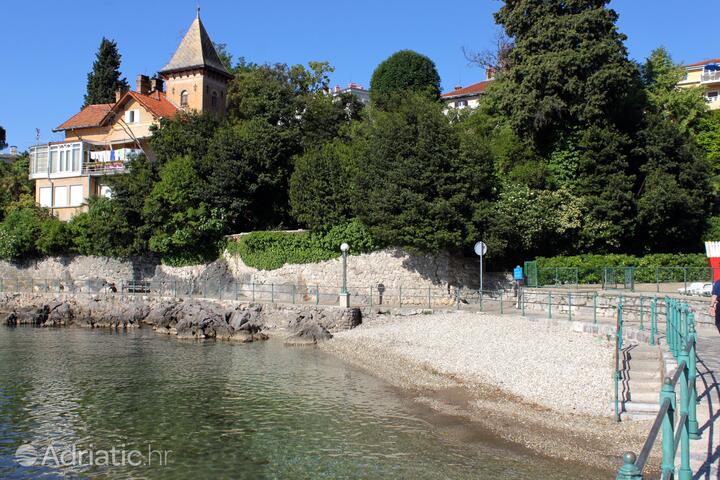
(404, 72)
(104, 79)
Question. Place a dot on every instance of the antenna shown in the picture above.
(198, 11)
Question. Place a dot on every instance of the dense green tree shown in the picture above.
(3, 138)
(404, 71)
(14, 181)
(684, 107)
(708, 138)
(416, 179)
(184, 228)
(247, 170)
(187, 134)
(321, 186)
(569, 69)
(225, 57)
(105, 77)
(28, 231)
(103, 230)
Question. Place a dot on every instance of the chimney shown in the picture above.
(490, 73)
(13, 150)
(119, 93)
(156, 84)
(458, 87)
(142, 84)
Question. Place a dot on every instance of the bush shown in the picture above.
(28, 231)
(271, 250)
(665, 267)
(103, 230)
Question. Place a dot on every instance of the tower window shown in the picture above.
(214, 99)
(184, 98)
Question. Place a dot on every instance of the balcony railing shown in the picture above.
(710, 76)
(104, 168)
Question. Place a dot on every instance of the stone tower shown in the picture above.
(195, 76)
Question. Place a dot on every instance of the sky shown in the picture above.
(47, 46)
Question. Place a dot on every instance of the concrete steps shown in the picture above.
(643, 380)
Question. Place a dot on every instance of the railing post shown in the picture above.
(480, 292)
(237, 291)
(668, 428)
(642, 312)
(429, 300)
(657, 279)
(501, 302)
(684, 472)
(570, 306)
(629, 471)
(653, 321)
(253, 291)
(400, 296)
(685, 279)
(293, 294)
(317, 294)
(272, 293)
(522, 300)
(371, 297)
(693, 429)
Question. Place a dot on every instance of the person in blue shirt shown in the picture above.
(714, 310)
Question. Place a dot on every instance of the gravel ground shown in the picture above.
(544, 387)
(548, 366)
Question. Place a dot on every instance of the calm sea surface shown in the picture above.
(101, 405)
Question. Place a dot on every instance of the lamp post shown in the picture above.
(344, 296)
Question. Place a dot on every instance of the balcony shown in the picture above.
(710, 76)
(74, 159)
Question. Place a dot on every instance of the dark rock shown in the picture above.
(309, 334)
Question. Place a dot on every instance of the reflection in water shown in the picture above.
(223, 411)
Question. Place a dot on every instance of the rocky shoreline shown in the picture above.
(186, 319)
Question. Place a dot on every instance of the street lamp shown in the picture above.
(344, 249)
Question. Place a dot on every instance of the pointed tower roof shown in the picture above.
(196, 51)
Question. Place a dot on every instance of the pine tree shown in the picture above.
(105, 79)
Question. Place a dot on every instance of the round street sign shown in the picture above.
(480, 248)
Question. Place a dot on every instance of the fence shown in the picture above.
(681, 339)
(611, 277)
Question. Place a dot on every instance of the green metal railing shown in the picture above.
(612, 277)
(677, 431)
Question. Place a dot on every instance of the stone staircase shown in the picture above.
(643, 372)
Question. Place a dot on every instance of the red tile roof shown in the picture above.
(704, 62)
(90, 116)
(156, 103)
(95, 115)
(469, 90)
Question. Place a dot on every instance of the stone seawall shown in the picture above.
(394, 269)
(195, 318)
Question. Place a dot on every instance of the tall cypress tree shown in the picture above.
(104, 79)
(577, 99)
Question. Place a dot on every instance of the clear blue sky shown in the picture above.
(47, 47)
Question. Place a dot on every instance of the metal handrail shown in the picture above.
(681, 321)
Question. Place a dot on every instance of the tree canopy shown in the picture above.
(105, 77)
(404, 71)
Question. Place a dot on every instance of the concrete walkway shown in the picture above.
(705, 453)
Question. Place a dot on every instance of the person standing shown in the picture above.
(714, 310)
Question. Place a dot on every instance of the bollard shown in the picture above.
(595, 307)
(549, 304)
(668, 428)
(629, 471)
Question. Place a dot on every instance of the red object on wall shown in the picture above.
(715, 265)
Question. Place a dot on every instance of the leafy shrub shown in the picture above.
(102, 230)
(271, 250)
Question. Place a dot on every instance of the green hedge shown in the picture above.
(593, 269)
(271, 250)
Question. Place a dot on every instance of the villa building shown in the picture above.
(354, 89)
(102, 138)
(704, 74)
(468, 97)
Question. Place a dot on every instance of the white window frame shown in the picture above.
(77, 195)
(45, 197)
(61, 196)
